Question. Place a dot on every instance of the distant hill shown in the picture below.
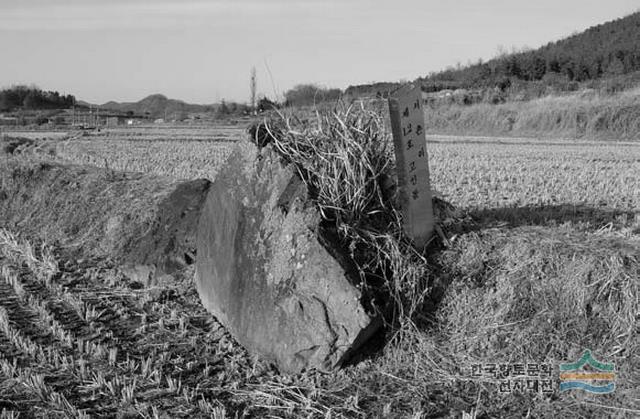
(608, 50)
(158, 106)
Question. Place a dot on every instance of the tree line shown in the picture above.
(21, 97)
(310, 94)
(299, 95)
(30, 97)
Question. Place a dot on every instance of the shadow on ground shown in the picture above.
(551, 215)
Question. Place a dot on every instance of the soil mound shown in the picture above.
(146, 223)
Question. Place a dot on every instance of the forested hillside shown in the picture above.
(608, 50)
(24, 97)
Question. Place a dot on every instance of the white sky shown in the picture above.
(202, 51)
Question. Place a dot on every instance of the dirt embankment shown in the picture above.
(583, 115)
(145, 223)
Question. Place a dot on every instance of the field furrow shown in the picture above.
(73, 346)
(11, 353)
(24, 318)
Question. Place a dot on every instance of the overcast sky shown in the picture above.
(203, 51)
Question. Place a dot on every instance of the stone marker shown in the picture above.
(412, 162)
(262, 271)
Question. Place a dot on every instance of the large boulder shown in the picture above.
(265, 271)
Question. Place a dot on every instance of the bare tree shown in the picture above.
(253, 89)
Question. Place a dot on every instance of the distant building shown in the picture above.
(114, 121)
(440, 94)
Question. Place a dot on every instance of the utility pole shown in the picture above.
(253, 90)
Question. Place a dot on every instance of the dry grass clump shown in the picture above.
(545, 295)
(572, 116)
(578, 290)
(41, 262)
(345, 157)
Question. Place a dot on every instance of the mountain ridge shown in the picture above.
(155, 105)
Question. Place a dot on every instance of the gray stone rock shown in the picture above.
(170, 241)
(263, 272)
